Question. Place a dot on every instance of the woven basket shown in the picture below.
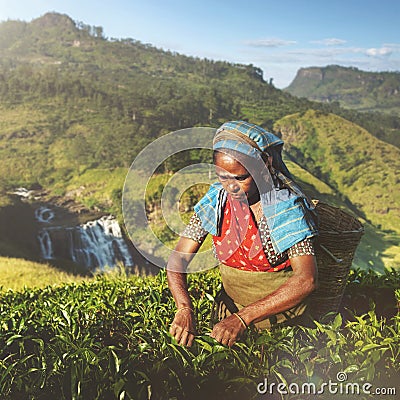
(339, 235)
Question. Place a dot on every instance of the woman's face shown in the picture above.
(235, 178)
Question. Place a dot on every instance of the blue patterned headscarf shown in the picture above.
(287, 209)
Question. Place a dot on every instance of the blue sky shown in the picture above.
(278, 36)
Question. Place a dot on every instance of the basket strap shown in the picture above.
(337, 260)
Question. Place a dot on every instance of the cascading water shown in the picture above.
(46, 247)
(45, 215)
(99, 243)
(95, 244)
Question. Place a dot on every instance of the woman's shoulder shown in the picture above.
(194, 229)
(302, 248)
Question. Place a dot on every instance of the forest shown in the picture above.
(63, 85)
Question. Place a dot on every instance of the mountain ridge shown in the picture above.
(351, 87)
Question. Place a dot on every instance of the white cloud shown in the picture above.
(382, 52)
(393, 46)
(330, 42)
(270, 42)
(326, 52)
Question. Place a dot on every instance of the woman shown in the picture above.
(262, 227)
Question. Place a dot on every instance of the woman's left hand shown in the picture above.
(228, 331)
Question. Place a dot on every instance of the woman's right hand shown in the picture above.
(183, 327)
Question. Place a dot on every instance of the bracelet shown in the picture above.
(184, 308)
(241, 320)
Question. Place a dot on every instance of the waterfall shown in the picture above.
(46, 247)
(99, 243)
(95, 244)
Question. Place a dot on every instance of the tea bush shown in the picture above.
(108, 339)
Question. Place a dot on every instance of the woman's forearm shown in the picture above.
(177, 283)
(177, 268)
(183, 327)
(287, 296)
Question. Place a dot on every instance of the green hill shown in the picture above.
(76, 108)
(353, 163)
(70, 100)
(351, 87)
(349, 159)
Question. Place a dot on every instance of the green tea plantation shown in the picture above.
(107, 338)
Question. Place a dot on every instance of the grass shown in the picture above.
(95, 187)
(17, 274)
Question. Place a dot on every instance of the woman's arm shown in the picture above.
(291, 293)
(183, 327)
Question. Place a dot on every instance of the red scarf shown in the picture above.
(239, 244)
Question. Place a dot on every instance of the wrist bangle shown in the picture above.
(184, 308)
(241, 320)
